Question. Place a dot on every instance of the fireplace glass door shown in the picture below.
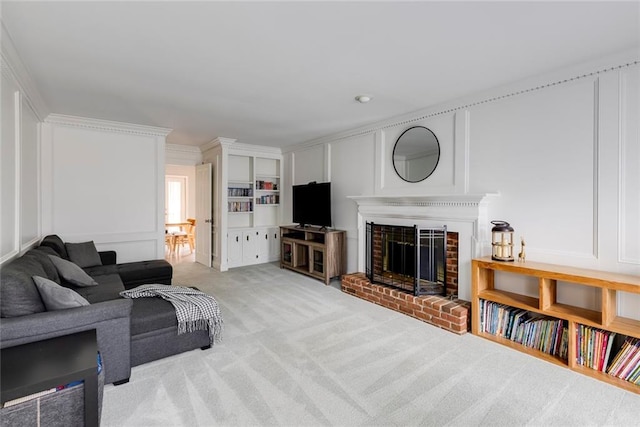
(408, 258)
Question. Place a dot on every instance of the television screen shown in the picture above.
(312, 204)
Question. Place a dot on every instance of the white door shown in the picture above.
(203, 214)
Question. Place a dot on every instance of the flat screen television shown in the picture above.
(312, 204)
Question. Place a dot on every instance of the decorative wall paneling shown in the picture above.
(562, 150)
(104, 181)
(9, 167)
(19, 187)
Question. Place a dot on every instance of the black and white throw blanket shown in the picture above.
(195, 310)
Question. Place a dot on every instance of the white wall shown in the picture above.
(104, 181)
(564, 157)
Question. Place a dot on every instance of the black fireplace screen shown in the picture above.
(408, 258)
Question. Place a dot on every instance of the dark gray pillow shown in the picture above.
(72, 273)
(54, 242)
(18, 294)
(83, 254)
(56, 297)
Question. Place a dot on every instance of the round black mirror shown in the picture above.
(416, 154)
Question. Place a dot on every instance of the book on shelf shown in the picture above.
(239, 192)
(268, 199)
(593, 347)
(240, 206)
(627, 360)
(266, 185)
(546, 334)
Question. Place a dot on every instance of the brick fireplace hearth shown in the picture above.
(452, 315)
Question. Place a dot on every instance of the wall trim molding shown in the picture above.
(107, 125)
(624, 60)
(623, 88)
(186, 155)
(596, 166)
(240, 147)
(11, 60)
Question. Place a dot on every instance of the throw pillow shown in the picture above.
(83, 254)
(54, 242)
(56, 297)
(72, 273)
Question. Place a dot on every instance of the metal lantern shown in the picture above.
(501, 241)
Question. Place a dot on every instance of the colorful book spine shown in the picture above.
(626, 364)
(545, 334)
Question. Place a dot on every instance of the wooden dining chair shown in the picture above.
(191, 233)
(169, 241)
(186, 237)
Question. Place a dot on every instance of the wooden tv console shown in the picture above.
(316, 252)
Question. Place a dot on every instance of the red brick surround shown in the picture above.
(452, 315)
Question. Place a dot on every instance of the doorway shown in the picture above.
(180, 199)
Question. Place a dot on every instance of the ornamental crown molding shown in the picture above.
(107, 125)
(182, 148)
(445, 200)
(186, 155)
(218, 141)
(239, 147)
(590, 69)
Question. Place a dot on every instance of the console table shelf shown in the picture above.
(603, 321)
(316, 252)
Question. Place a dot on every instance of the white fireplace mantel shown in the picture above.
(465, 214)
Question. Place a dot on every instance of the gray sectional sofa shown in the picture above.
(129, 331)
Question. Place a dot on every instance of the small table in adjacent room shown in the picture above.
(41, 365)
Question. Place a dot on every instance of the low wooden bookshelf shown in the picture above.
(316, 252)
(576, 321)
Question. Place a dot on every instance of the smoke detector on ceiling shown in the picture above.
(363, 99)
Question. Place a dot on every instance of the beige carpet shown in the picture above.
(298, 353)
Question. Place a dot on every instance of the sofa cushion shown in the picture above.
(99, 270)
(18, 294)
(83, 254)
(41, 254)
(72, 273)
(152, 314)
(55, 242)
(109, 288)
(56, 297)
(145, 272)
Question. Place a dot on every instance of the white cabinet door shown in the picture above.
(234, 248)
(249, 247)
(263, 245)
(274, 244)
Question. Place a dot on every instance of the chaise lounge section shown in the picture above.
(129, 332)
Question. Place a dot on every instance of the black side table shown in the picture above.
(37, 366)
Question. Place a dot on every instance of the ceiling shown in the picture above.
(280, 73)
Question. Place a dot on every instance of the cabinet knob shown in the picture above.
(266, 237)
(247, 237)
(237, 239)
